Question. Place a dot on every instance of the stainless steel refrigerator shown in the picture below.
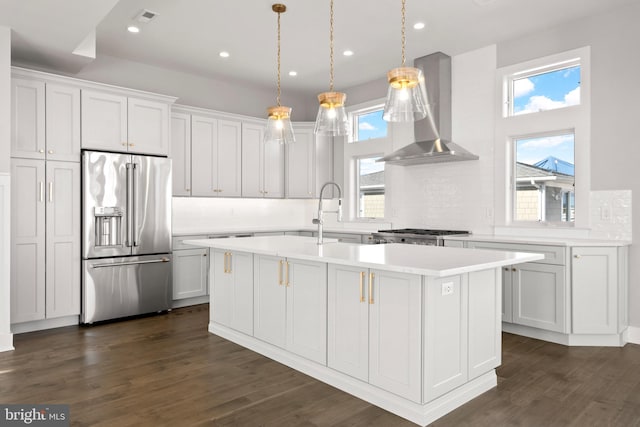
(126, 235)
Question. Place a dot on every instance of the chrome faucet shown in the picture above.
(320, 220)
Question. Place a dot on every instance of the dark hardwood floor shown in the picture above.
(168, 370)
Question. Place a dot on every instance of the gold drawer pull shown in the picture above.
(362, 286)
(287, 273)
(280, 272)
(371, 276)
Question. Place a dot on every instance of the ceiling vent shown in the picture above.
(145, 16)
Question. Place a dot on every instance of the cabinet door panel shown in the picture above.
(269, 293)
(594, 290)
(348, 321)
(539, 296)
(104, 121)
(252, 164)
(204, 134)
(190, 273)
(181, 154)
(242, 290)
(324, 164)
(485, 328)
(273, 160)
(300, 168)
(28, 119)
(507, 295)
(306, 284)
(148, 126)
(27, 240)
(229, 159)
(63, 239)
(221, 292)
(395, 333)
(63, 123)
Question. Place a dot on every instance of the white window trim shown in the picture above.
(377, 147)
(508, 128)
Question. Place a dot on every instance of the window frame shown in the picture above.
(354, 114)
(357, 187)
(556, 121)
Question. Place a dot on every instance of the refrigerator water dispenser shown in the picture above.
(108, 225)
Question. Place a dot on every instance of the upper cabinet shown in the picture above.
(216, 149)
(300, 163)
(181, 153)
(262, 163)
(116, 122)
(45, 120)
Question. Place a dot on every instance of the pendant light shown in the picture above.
(279, 127)
(407, 96)
(332, 119)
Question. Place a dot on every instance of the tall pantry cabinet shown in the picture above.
(45, 199)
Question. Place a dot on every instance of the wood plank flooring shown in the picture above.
(168, 370)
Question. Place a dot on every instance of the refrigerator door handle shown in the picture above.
(134, 200)
(129, 202)
(129, 263)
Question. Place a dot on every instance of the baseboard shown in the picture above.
(38, 325)
(190, 301)
(6, 342)
(633, 335)
(577, 340)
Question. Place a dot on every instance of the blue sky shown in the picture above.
(371, 125)
(532, 150)
(548, 91)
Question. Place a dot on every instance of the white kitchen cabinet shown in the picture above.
(301, 163)
(262, 163)
(115, 122)
(216, 150)
(45, 238)
(367, 339)
(595, 295)
(290, 305)
(181, 153)
(190, 278)
(507, 293)
(232, 290)
(342, 237)
(45, 121)
(324, 165)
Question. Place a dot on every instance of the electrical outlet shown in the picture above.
(447, 288)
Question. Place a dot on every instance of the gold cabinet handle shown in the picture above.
(287, 281)
(280, 272)
(362, 286)
(131, 145)
(371, 276)
(226, 262)
(50, 192)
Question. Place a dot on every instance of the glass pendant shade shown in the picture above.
(406, 97)
(279, 128)
(332, 118)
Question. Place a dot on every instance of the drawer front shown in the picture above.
(552, 254)
(178, 245)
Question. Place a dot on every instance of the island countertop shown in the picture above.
(436, 261)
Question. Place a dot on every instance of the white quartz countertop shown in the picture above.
(538, 240)
(436, 261)
(270, 229)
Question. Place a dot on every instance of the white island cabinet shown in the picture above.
(412, 329)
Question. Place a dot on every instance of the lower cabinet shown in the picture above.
(190, 277)
(374, 328)
(232, 290)
(290, 305)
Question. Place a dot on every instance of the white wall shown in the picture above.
(615, 67)
(6, 339)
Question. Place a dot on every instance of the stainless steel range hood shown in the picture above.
(433, 134)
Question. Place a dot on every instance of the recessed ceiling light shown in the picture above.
(418, 25)
(224, 54)
(347, 53)
(293, 73)
(133, 29)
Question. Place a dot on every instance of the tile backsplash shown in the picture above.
(611, 214)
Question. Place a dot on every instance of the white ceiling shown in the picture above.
(188, 34)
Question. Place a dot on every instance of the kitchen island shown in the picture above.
(415, 330)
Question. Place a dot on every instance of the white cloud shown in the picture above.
(546, 142)
(573, 97)
(522, 87)
(366, 126)
(542, 103)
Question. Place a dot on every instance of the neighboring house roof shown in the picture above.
(526, 174)
(374, 179)
(557, 165)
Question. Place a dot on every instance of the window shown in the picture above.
(370, 188)
(545, 178)
(543, 141)
(369, 124)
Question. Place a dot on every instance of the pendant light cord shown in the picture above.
(403, 33)
(331, 45)
(278, 97)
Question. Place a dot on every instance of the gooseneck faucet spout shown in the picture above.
(320, 220)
